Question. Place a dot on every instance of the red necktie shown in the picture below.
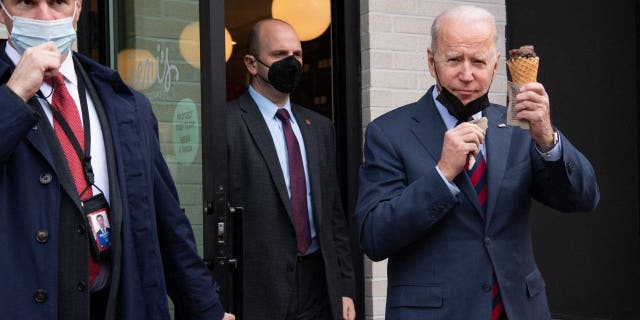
(64, 104)
(478, 176)
(297, 183)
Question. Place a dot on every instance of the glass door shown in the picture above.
(157, 52)
(185, 56)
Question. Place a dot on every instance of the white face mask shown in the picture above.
(28, 33)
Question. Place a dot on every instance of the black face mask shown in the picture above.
(455, 107)
(284, 74)
(459, 110)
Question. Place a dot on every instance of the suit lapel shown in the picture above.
(310, 140)
(262, 137)
(62, 169)
(498, 142)
(429, 129)
(35, 137)
(428, 126)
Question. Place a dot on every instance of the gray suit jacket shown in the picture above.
(269, 238)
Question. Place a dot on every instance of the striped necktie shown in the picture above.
(478, 176)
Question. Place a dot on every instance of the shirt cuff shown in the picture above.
(452, 187)
(554, 154)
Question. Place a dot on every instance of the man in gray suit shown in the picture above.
(296, 259)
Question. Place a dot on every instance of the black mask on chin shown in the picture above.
(284, 74)
(454, 105)
(459, 110)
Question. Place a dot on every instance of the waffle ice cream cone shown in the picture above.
(523, 65)
(523, 68)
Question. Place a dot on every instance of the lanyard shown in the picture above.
(85, 157)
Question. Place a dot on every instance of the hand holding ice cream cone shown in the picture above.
(523, 68)
(529, 101)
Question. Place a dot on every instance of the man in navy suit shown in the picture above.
(448, 202)
(53, 180)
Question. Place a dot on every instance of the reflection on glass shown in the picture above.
(159, 55)
(309, 18)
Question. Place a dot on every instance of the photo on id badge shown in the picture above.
(101, 229)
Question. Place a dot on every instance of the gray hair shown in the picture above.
(464, 13)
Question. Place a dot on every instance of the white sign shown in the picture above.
(186, 132)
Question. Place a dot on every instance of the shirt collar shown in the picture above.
(268, 108)
(67, 69)
(449, 120)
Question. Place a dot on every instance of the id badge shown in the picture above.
(96, 210)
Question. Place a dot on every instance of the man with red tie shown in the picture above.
(447, 200)
(75, 144)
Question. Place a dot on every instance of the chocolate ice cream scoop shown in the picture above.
(522, 52)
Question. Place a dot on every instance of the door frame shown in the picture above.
(347, 105)
(94, 41)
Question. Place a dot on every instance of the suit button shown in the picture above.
(46, 178)
(487, 241)
(81, 229)
(42, 236)
(82, 286)
(290, 268)
(486, 287)
(40, 296)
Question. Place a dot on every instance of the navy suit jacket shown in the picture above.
(442, 254)
(154, 252)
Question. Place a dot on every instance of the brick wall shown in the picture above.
(395, 37)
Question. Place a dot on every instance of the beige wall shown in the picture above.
(395, 36)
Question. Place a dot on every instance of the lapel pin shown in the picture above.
(502, 125)
(307, 122)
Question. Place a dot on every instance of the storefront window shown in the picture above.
(158, 54)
